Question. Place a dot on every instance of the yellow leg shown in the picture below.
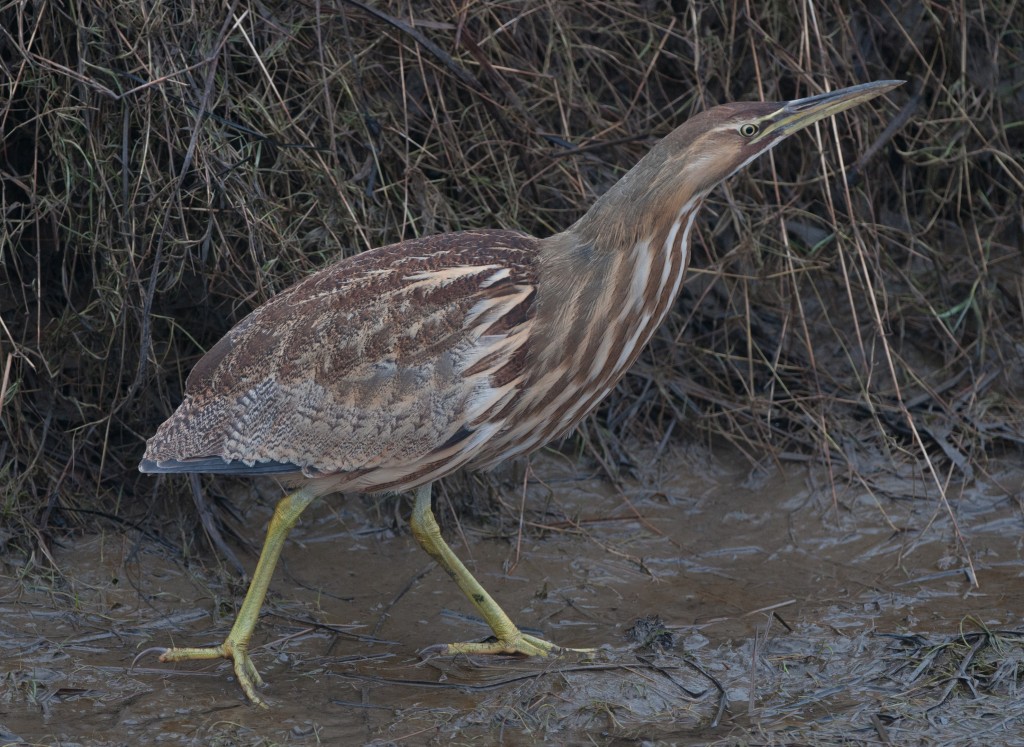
(510, 640)
(236, 645)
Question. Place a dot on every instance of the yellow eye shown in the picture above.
(748, 129)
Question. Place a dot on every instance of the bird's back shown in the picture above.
(382, 371)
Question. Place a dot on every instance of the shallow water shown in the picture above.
(790, 612)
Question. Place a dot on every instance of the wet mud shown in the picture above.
(773, 608)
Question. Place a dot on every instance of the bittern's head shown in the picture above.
(719, 142)
(706, 149)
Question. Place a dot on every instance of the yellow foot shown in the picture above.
(245, 670)
(518, 643)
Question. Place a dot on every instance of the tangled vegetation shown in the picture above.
(167, 167)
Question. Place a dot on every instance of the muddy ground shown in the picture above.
(790, 613)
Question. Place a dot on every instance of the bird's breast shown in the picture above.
(580, 349)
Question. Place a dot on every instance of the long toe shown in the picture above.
(519, 643)
(195, 654)
(248, 678)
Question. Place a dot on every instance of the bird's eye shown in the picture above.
(748, 129)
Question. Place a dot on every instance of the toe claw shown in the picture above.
(146, 652)
(437, 649)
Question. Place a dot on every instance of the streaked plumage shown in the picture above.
(393, 368)
(368, 373)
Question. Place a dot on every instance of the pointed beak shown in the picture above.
(796, 115)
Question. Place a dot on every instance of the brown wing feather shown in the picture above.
(378, 368)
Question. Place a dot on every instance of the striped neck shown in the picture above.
(596, 311)
(612, 269)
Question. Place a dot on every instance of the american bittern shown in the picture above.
(393, 368)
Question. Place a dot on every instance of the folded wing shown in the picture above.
(382, 371)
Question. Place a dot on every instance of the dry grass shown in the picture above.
(166, 168)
